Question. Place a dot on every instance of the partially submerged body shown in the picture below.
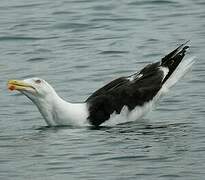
(126, 98)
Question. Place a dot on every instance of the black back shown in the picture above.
(132, 91)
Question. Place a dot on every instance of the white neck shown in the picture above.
(57, 111)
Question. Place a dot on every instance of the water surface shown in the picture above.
(78, 46)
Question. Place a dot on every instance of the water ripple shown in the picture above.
(23, 38)
(78, 46)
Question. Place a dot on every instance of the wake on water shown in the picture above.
(128, 116)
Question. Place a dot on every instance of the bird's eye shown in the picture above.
(38, 81)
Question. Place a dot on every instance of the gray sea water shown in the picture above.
(78, 46)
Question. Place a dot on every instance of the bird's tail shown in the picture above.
(176, 64)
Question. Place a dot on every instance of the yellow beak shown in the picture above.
(18, 85)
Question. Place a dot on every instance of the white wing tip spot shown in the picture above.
(165, 71)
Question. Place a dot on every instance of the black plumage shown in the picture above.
(134, 90)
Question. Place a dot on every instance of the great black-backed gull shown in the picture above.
(123, 99)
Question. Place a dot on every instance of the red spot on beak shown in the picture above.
(11, 87)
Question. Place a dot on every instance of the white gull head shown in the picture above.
(53, 108)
